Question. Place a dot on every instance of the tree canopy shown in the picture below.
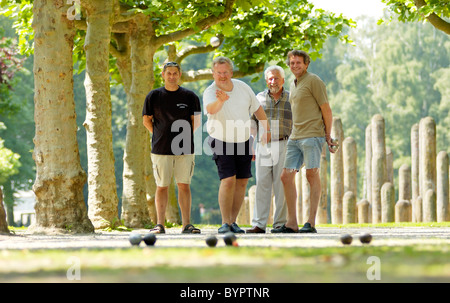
(437, 12)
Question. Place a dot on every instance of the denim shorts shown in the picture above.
(307, 151)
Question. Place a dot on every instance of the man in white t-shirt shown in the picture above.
(229, 105)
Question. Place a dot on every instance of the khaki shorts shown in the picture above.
(166, 166)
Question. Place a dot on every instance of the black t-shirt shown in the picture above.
(172, 123)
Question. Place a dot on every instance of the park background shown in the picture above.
(399, 70)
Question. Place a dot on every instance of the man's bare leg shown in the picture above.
(313, 177)
(226, 197)
(290, 194)
(239, 195)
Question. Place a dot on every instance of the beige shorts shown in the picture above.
(165, 167)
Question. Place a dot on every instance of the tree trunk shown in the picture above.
(59, 177)
(134, 203)
(8, 200)
(3, 224)
(103, 200)
(124, 65)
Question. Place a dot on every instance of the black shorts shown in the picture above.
(232, 159)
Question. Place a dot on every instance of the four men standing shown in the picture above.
(300, 123)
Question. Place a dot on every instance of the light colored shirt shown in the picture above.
(232, 122)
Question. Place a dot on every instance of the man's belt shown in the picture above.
(282, 138)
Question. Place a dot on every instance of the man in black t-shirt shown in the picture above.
(172, 114)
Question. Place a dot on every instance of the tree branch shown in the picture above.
(206, 74)
(434, 19)
(199, 26)
(194, 50)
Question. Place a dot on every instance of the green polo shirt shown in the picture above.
(306, 96)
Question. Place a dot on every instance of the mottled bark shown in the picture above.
(3, 224)
(59, 177)
(134, 202)
(103, 200)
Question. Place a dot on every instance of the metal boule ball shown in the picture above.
(365, 238)
(211, 241)
(229, 239)
(346, 239)
(135, 239)
(214, 41)
(150, 239)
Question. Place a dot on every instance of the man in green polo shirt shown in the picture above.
(312, 118)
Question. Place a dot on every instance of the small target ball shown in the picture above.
(135, 239)
(346, 239)
(150, 239)
(229, 239)
(214, 41)
(365, 238)
(211, 241)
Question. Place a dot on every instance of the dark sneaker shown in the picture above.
(283, 230)
(236, 229)
(225, 228)
(307, 228)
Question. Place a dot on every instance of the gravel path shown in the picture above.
(326, 237)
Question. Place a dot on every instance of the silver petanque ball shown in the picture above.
(214, 41)
(135, 239)
(335, 141)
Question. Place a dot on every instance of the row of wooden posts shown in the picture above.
(423, 189)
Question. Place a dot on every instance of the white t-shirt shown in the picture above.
(232, 123)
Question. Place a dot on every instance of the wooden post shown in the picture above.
(336, 174)
(306, 194)
(322, 213)
(368, 169)
(418, 209)
(415, 190)
(427, 156)
(442, 185)
(251, 201)
(350, 158)
(429, 206)
(387, 203)
(404, 180)
(243, 217)
(389, 165)
(349, 207)
(363, 211)
(378, 165)
(403, 211)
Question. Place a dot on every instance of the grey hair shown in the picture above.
(222, 60)
(272, 68)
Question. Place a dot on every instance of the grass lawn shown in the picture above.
(418, 263)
